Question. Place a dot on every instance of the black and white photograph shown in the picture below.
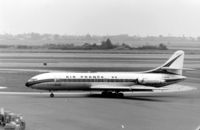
(99, 65)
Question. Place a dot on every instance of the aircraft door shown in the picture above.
(57, 82)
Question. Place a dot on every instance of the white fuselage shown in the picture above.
(84, 81)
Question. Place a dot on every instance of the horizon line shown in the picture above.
(102, 35)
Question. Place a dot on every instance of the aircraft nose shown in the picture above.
(27, 84)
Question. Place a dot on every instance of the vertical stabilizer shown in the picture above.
(173, 65)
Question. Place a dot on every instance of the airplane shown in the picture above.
(112, 83)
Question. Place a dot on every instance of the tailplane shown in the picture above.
(174, 65)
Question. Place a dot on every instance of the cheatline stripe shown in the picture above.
(79, 80)
(168, 64)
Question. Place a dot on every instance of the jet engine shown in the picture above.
(150, 81)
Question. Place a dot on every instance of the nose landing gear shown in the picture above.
(52, 95)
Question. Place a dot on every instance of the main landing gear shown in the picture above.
(51, 95)
(111, 94)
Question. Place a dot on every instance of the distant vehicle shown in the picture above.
(112, 83)
(11, 121)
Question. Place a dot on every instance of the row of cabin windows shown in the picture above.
(94, 80)
(90, 77)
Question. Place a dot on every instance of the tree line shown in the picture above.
(105, 45)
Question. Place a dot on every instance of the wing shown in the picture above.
(124, 88)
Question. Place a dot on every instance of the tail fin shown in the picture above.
(174, 65)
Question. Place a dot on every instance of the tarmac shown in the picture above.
(175, 109)
(81, 111)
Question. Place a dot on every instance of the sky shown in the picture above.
(101, 17)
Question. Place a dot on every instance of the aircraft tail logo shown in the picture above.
(174, 65)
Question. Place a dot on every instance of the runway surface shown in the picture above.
(74, 111)
(177, 110)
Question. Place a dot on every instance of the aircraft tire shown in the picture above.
(51, 95)
(120, 94)
(105, 93)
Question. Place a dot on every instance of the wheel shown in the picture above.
(104, 93)
(110, 93)
(51, 95)
(120, 94)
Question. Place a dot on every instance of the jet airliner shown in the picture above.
(112, 83)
